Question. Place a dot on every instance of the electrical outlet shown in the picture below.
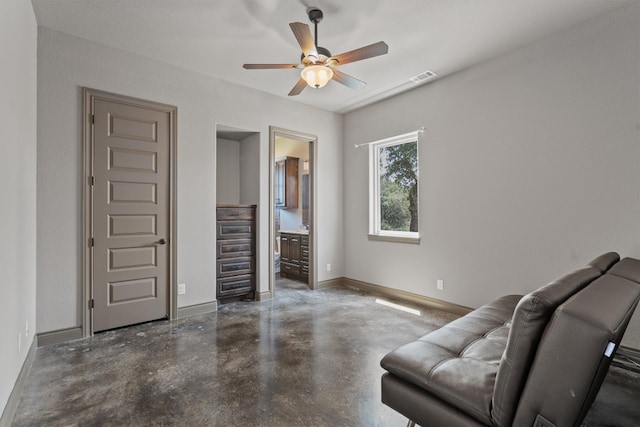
(440, 284)
(328, 267)
(182, 288)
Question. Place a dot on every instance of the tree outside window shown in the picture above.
(394, 188)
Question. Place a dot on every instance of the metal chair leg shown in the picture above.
(411, 424)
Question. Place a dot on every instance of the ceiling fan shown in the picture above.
(317, 64)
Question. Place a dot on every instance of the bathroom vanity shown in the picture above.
(294, 254)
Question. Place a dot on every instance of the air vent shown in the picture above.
(419, 78)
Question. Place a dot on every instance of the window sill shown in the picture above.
(395, 238)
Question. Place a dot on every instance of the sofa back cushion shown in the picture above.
(605, 261)
(529, 321)
(577, 347)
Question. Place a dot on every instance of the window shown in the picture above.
(393, 189)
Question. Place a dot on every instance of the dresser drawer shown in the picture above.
(236, 285)
(304, 240)
(235, 248)
(235, 266)
(288, 268)
(235, 213)
(235, 230)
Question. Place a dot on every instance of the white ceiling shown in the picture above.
(216, 37)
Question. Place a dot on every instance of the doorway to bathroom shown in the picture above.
(293, 205)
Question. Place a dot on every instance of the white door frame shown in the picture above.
(313, 179)
(88, 96)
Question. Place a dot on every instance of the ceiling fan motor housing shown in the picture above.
(315, 15)
(323, 56)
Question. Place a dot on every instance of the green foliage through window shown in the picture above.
(398, 186)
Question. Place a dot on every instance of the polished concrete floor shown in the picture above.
(304, 359)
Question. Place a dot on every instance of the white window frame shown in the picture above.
(375, 233)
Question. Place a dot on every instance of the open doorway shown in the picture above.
(292, 196)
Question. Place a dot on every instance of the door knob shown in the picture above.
(162, 241)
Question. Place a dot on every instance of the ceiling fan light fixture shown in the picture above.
(317, 76)
(317, 63)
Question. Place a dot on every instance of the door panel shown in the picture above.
(129, 258)
(132, 225)
(133, 160)
(128, 127)
(130, 290)
(130, 214)
(132, 192)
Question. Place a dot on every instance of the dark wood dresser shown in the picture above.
(236, 252)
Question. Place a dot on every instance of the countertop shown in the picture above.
(304, 233)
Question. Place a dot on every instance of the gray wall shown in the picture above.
(65, 65)
(529, 167)
(18, 82)
(250, 170)
(238, 170)
(228, 171)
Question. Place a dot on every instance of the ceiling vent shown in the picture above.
(419, 78)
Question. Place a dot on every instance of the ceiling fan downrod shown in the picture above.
(315, 16)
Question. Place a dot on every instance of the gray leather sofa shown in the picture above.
(533, 360)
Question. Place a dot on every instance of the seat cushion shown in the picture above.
(458, 362)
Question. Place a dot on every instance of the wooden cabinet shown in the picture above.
(235, 251)
(294, 256)
(286, 182)
(305, 199)
(304, 258)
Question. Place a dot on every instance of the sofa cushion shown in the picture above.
(628, 268)
(576, 349)
(605, 261)
(458, 362)
(529, 321)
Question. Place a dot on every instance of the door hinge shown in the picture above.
(91, 303)
(92, 180)
(91, 242)
(92, 119)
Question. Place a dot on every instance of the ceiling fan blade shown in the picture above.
(304, 37)
(370, 51)
(347, 80)
(298, 87)
(268, 66)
